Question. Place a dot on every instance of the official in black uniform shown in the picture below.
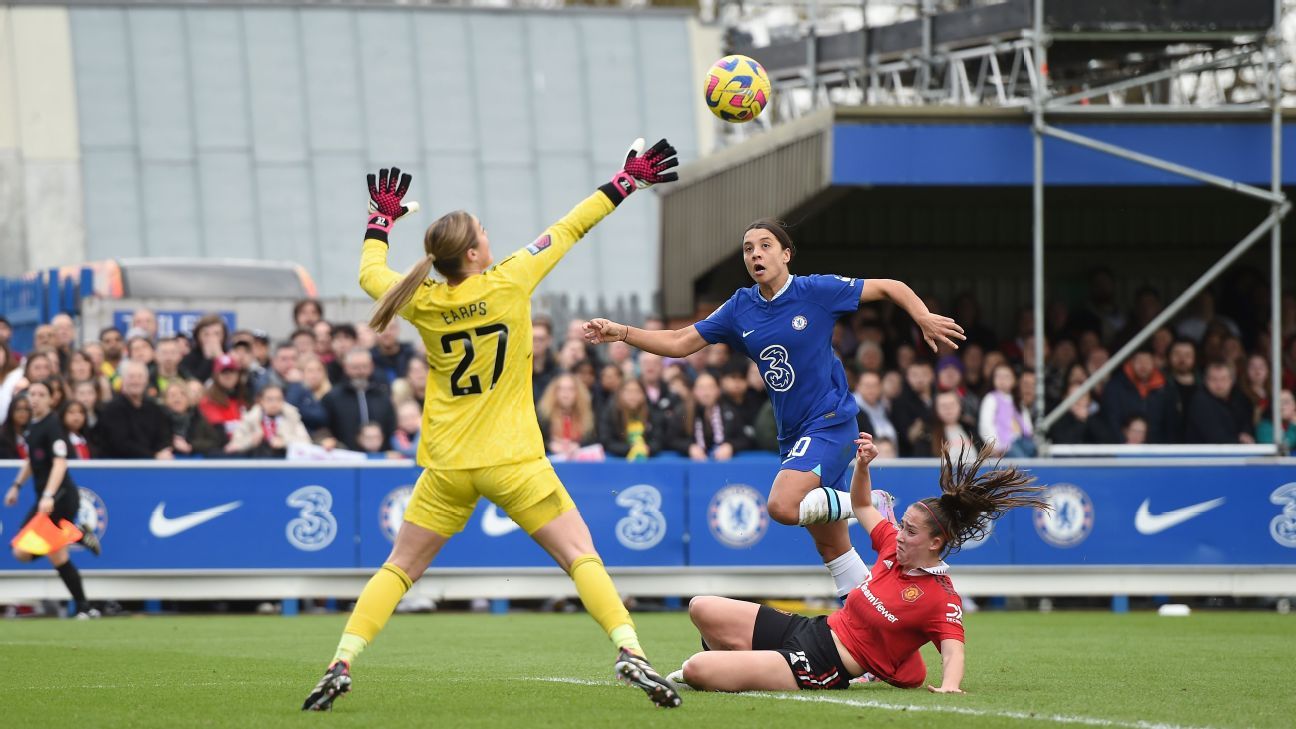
(56, 494)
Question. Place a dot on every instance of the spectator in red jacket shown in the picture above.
(224, 401)
(78, 437)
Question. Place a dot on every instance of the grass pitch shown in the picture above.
(533, 670)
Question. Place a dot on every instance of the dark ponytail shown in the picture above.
(970, 501)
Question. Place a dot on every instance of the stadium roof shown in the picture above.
(786, 171)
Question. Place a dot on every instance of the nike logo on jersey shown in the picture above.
(162, 526)
(749, 331)
(495, 524)
(1148, 523)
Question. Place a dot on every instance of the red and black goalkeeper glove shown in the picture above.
(642, 169)
(385, 207)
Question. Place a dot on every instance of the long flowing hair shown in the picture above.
(970, 500)
(444, 243)
(623, 415)
(582, 410)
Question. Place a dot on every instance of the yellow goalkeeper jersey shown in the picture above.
(478, 410)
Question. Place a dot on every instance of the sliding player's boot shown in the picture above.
(885, 503)
(336, 681)
(637, 671)
(677, 677)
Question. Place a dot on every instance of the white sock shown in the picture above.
(825, 506)
(848, 571)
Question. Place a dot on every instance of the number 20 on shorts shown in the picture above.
(800, 447)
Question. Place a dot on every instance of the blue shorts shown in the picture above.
(826, 451)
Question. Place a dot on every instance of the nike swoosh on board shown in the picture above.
(1145, 522)
(162, 526)
(495, 524)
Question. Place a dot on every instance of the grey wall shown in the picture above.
(247, 132)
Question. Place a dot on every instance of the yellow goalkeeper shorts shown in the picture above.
(529, 492)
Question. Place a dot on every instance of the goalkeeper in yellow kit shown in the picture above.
(480, 433)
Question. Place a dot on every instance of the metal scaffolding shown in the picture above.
(1043, 106)
(997, 54)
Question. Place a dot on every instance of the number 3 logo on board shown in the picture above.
(315, 526)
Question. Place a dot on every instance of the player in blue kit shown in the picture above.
(784, 323)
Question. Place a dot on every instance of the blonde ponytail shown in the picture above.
(400, 294)
(444, 243)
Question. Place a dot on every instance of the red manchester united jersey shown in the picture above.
(892, 614)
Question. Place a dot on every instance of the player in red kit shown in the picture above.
(907, 600)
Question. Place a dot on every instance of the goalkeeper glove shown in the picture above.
(642, 169)
(385, 207)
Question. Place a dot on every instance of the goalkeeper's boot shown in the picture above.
(336, 681)
(635, 670)
(90, 540)
(884, 502)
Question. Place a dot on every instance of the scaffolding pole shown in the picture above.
(1268, 224)
(1038, 99)
(1273, 52)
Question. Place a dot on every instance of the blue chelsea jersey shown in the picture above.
(790, 339)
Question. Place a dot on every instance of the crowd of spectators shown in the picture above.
(214, 393)
(1202, 378)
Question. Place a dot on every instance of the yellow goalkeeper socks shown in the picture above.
(603, 603)
(624, 636)
(376, 604)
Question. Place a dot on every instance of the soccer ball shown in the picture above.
(737, 89)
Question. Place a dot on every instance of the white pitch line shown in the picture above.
(963, 710)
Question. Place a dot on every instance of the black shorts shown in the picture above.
(66, 505)
(806, 644)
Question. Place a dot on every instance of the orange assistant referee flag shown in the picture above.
(40, 536)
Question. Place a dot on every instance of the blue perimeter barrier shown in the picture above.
(273, 515)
